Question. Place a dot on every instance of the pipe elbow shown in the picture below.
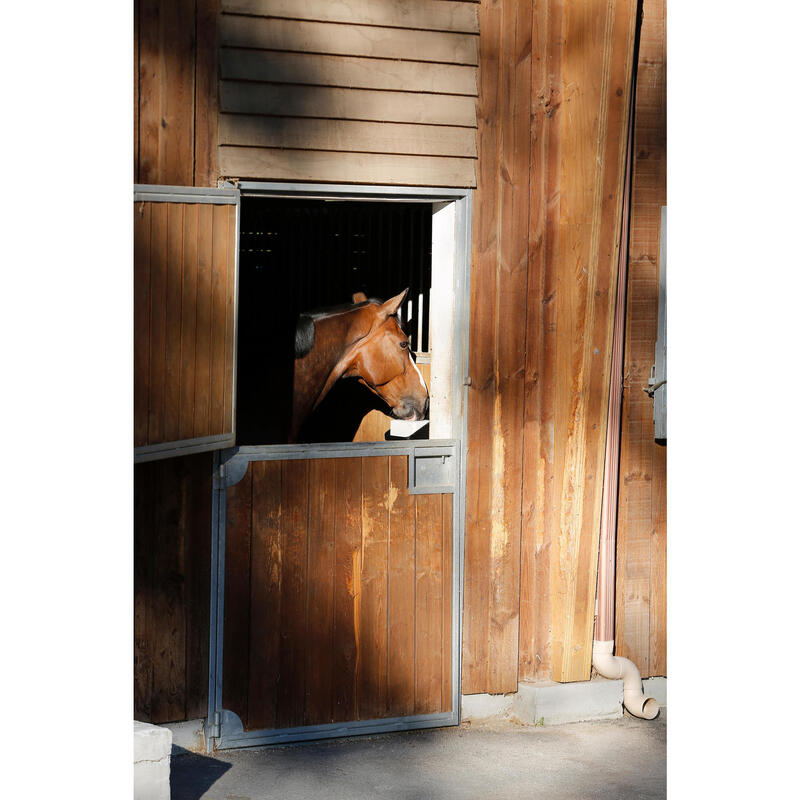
(615, 668)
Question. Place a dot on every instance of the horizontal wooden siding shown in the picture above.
(351, 91)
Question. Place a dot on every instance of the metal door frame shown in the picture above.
(223, 728)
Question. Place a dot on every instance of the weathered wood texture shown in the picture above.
(349, 91)
(175, 92)
(172, 566)
(337, 600)
(641, 537)
(554, 88)
(184, 284)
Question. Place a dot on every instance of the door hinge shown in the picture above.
(212, 729)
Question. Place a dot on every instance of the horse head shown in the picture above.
(382, 362)
(362, 341)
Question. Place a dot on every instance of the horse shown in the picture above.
(364, 341)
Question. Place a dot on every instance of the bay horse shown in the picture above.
(363, 341)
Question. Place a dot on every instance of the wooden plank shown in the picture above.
(136, 35)
(294, 546)
(326, 102)
(149, 106)
(221, 242)
(311, 165)
(188, 323)
(168, 610)
(143, 554)
(166, 86)
(447, 603)
(158, 322)
(428, 605)
(174, 293)
(347, 135)
(509, 356)
(372, 679)
(236, 653)
(141, 320)
(347, 40)
(347, 71)
(205, 265)
(593, 147)
(206, 94)
(475, 658)
(538, 501)
(265, 595)
(419, 14)
(322, 501)
(197, 561)
(230, 301)
(401, 589)
(347, 589)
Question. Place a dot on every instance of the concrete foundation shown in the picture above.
(152, 746)
(187, 736)
(550, 703)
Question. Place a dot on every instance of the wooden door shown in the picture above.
(335, 599)
(185, 275)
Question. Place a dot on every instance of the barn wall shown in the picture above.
(172, 568)
(554, 88)
(175, 92)
(641, 615)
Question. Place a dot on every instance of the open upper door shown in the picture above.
(185, 279)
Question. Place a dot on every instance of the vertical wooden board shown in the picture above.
(594, 147)
(136, 11)
(206, 95)
(188, 322)
(172, 402)
(319, 629)
(401, 589)
(168, 632)
(219, 313)
(347, 589)
(176, 134)
(230, 301)
(149, 106)
(202, 374)
(294, 547)
(158, 322)
(236, 639)
(265, 594)
(372, 686)
(481, 394)
(143, 554)
(537, 501)
(511, 275)
(447, 602)
(197, 560)
(141, 320)
(428, 613)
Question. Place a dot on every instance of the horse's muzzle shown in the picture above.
(411, 410)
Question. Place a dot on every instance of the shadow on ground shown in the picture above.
(192, 775)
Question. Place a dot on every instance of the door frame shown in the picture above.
(223, 728)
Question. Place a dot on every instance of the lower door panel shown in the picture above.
(335, 592)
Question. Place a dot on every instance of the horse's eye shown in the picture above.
(404, 345)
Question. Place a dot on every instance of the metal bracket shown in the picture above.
(212, 727)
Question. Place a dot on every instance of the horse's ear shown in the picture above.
(390, 307)
(359, 297)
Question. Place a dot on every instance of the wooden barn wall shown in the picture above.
(175, 92)
(172, 567)
(554, 87)
(641, 624)
(354, 91)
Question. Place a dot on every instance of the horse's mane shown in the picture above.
(305, 329)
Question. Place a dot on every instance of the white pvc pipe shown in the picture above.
(616, 667)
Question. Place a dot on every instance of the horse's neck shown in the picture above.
(315, 373)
